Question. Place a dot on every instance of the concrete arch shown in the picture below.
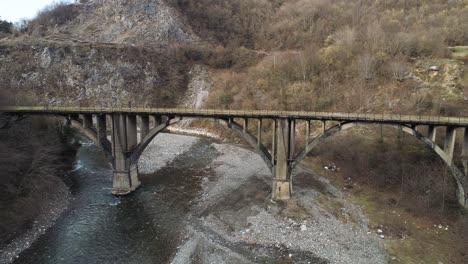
(90, 133)
(461, 181)
(251, 139)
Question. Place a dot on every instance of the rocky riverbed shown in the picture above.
(233, 220)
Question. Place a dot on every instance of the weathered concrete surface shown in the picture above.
(465, 152)
(432, 133)
(449, 146)
(124, 138)
(281, 184)
(126, 150)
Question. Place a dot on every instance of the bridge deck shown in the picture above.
(266, 114)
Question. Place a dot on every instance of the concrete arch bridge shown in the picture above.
(115, 132)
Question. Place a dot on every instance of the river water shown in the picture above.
(148, 226)
(145, 227)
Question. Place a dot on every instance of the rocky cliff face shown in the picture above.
(113, 53)
(136, 22)
(92, 75)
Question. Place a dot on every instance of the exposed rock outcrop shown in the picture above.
(135, 22)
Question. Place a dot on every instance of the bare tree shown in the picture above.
(345, 37)
(398, 70)
(366, 66)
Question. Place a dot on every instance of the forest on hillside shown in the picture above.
(313, 55)
(339, 55)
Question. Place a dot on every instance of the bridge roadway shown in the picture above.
(124, 149)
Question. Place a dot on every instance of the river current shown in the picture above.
(145, 227)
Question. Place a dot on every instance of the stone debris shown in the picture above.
(163, 149)
(320, 233)
(332, 167)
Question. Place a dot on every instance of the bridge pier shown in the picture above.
(124, 139)
(282, 178)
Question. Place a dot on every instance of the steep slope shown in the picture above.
(51, 74)
(140, 22)
(99, 52)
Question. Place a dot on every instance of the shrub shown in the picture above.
(6, 27)
(54, 15)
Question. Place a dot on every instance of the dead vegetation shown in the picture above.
(404, 189)
(33, 156)
(52, 16)
(342, 64)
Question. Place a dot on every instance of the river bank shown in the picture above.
(35, 155)
(51, 211)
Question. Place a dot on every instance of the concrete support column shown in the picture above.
(292, 139)
(101, 128)
(307, 134)
(125, 179)
(432, 133)
(465, 152)
(281, 183)
(246, 125)
(157, 120)
(144, 129)
(87, 120)
(324, 127)
(259, 133)
(273, 142)
(132, 134)
(449, 146)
